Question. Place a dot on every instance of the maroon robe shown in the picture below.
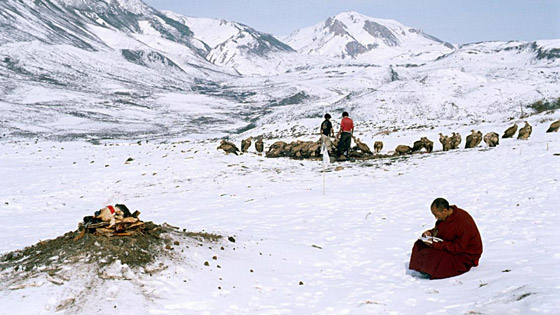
(460, 250)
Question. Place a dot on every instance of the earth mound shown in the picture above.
(140, 250)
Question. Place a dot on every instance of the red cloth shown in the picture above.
(460, 250)
(347, 124)
(111, 209)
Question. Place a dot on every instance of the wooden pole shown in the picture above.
(323, 179)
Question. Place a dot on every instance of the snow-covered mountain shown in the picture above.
(97, 64)
(121, 69)
(236, 46)
(353, 35)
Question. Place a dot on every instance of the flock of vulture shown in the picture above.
(312, 149)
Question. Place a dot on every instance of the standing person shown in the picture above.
(457, 245)
(345, 134)
(327, 132)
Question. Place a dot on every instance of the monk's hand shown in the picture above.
(427, 233)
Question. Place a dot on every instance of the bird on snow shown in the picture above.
(554, 126)
(259, 145)
(246, 144)
(425, 143)
(525, 132)
(428, 144)
(377, 146)
(418, 145)
(402, 149)
(362, 146)
(276, 149)
(478, 138)
(473, 139)
(228, 147)
(455, 140)
(510, 131)
(492, 139)
(445, 142)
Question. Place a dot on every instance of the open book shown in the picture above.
(430, 239)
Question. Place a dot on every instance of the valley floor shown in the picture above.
(297, 250)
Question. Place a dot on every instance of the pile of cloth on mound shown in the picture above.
(111, 221)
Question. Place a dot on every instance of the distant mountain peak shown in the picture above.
(232, 44)
(352, 34)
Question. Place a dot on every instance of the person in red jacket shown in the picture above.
(451, 248)
(345, 135)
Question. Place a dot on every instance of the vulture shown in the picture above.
(246, 144)
(362, 146)
(428, 144)
(492, 139)
(425, 143)
(445, 142)
(471, 140)
(477, 138)
(525, 132)
(510, 131)
(402, 149)
(259, 145)
(276, 149)
(228, 147)
(377, 146)
(455, 140)
(554, 126)
(418, 145)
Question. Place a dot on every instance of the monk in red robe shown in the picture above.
(451, 248)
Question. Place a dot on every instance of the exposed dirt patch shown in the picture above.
(139, 250)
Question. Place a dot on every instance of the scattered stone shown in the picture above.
(231, 239)
(206, 263)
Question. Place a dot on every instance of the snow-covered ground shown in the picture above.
(94, 88)
(297, 250)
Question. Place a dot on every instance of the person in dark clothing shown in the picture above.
(345, 135)
(451, 248)
(327, 132)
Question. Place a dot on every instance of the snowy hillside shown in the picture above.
(113, 64)
(356, 36)
(297, 250)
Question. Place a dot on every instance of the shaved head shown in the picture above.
(440, 204)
